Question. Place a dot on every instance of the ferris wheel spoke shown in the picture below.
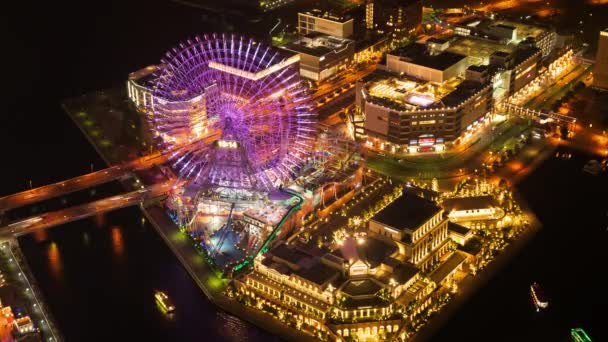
(270, 118)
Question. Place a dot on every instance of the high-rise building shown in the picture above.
(397, 18)
(600, 70)
(321, 55)
(325, 22)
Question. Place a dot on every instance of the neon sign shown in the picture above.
(227, 144)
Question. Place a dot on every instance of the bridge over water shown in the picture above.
(51, 219)
(77, 183)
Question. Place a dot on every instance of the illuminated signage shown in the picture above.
(257, 75)
(426, 141)
(227, 144)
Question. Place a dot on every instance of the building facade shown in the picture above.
(325, 22)
(397, 19)
(361, 286)
(321, 55)
(403, 114)
(417, 226)
(600, 69)
(139, 88)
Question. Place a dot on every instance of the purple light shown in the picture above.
(248, 97)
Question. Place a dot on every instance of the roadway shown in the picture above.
(552, 93)
(335, 88)
(78, 183)
(59, 217)
(587, 139)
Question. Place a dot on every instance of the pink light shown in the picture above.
(420, 100)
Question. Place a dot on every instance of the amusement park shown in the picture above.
(236, 122)
(276, 201)
(346, 173)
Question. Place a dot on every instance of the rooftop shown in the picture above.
(404, 272)
(503, 54)
(465, 90)
(508, 27)
(410, 294)
(418, 54)
(317, 44)
(447, 267)
(328, 15)
(478, 50)
(407, 212)
(373, 251)
(523, 30)
(288, 254)
(524, 53)
(458, 228)
(361, 287)
(469, 203)
(408, 94)
(145, 76)
(361, 303)
(318, 273)
(478, 68)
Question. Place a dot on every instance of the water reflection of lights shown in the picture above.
(86, 238)
(100, 219)
(54, 257)
(118, 245)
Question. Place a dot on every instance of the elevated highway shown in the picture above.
(51, 219)
(78, 183)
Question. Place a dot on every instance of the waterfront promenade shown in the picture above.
(473, 283)
(23, 280)
(211, 282)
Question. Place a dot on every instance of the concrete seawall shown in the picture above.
(201, 273)
(472, 284)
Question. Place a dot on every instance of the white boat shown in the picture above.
(163, 301)
(538, 297)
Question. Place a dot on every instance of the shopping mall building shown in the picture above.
(429, 94)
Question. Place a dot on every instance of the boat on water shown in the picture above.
(163, 301)
(538, 297)
(579, 335)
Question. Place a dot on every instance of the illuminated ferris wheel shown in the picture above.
(232, 113)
